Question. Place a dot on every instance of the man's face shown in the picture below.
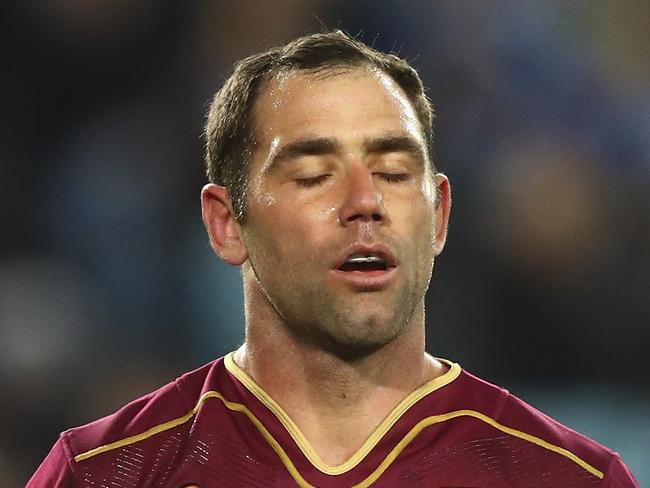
(341, 226)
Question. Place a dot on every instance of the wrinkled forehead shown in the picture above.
(281, 93)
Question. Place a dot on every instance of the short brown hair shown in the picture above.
(229, 136)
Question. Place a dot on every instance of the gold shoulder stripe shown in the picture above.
(237, 407)
(154, 430)
(369, 444)
(435, 419)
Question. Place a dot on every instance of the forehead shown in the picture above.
(339, 102)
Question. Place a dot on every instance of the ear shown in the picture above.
(223, 229)
(443, 207)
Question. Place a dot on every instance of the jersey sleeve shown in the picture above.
(619, 475)
(54, 471)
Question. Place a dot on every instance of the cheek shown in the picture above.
(305, 214)
(293, 227)
(412, 209)
(421, 222)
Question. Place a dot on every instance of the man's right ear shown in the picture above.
(219, 220)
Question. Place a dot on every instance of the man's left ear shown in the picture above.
(443, 207)
(223, 229)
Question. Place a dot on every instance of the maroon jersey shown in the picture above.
(215, 427)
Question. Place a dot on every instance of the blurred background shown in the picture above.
(108, 287)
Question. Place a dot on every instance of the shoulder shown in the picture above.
(166, 404)
(148, 417)
(537, 434)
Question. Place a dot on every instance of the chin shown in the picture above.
(357, 341)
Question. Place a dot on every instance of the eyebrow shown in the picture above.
(307, 147)
(319, 146)
(394, 143)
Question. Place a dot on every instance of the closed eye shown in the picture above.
(394, 177)
(313, 181)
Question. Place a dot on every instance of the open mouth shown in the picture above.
(364, 262)
(367, 268)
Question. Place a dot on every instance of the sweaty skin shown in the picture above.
(339, 164)
(295, 235)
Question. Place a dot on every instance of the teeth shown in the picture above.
(364, 258)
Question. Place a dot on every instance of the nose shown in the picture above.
(363, 200)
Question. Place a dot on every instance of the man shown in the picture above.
(324, 191)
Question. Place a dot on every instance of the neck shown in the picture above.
(336, 403)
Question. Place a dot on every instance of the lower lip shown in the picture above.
(366, 280)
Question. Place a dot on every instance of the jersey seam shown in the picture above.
(180, 392)
(69, 455)
(613, 459)
(505, 396)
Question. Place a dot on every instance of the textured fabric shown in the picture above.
(209, 429)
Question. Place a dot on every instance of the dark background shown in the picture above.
(108, 287)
